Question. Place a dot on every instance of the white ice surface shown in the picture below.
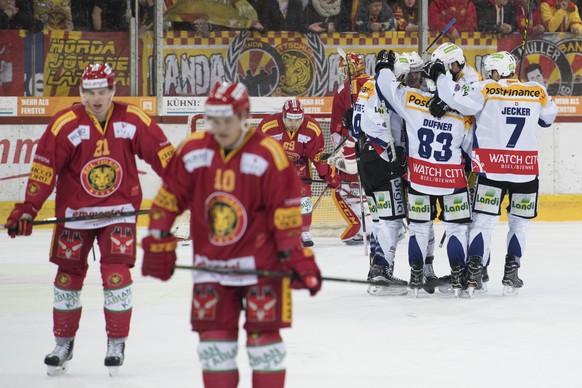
(341, 338)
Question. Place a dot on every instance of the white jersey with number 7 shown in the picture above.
(507, 114)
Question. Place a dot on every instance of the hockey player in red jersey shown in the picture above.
(302, 139)
(245, 193)
(352, 68)
(91, 149)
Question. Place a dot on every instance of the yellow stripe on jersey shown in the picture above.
(286, 301)
(279, 156)
(314, 127)
(165, 154)
(191, 137)
(62, 121)
(139, 113)
(269, 125)
(288, 218)
(166, 200)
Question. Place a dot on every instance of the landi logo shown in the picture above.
(419, 206)
(525, 204)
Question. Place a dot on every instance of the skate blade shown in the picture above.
(386, 291)
(510, 291)
(416, 290)
(56, 370)
(457, 292)
(113, 371)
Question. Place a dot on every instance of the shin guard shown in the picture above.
(217, 353)
(117, 303)
(267, 354)
(67, 303)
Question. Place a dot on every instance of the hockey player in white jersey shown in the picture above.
(505, 155)
(457, 67)
(435, 170)
(381, 166)
(414, 80)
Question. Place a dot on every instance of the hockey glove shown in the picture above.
(19, 222)
(437, 107)
(306, 274)
(433, 69)
(159, 256)
(397, 167)
(347, 119)
(385, 60)
(332, 178)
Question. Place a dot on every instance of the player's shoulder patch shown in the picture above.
(313, 125)
(143, 116)
(266, 127)
(279, 157)
(62, 120)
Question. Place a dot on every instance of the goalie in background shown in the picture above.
(352, 70)
(245, 192)
(302, 139)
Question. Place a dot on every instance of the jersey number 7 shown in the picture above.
(519, 123)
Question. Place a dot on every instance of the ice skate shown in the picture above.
(115, 355)
(457, 279)
(356, 240)
(57, 360)
(474, 275)
(416, 278)
(383, 282)
(511, 281)
(306, 239)
(430, 279)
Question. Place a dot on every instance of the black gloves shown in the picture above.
(385, 60)
(347, 119)
(433, 69)
(437, 107)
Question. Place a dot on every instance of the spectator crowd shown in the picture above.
(500, 17)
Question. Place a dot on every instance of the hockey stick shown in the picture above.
(444, 31)
(55, 220)
(318, 200)
(263, 273)
(524, 40)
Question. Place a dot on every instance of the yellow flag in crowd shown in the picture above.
(227, 13)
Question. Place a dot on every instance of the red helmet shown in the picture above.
(97, 76)
(228, 99)
(292, 110)
(356, 63)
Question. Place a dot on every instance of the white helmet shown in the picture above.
(401, 66)
(502, 61)
(415, 61)
(449, 53)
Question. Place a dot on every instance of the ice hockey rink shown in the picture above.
(343, 337)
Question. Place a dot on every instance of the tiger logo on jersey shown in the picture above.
(101, 177)
(227, 219)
